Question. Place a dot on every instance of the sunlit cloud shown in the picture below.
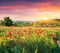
(30, 10)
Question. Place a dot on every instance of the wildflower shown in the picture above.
(7, 36)
(53, 35)
(24, 30)
(39, 31)
(10, 33)
(14, 37)
(16, 32)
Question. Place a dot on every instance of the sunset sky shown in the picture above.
(30, 10)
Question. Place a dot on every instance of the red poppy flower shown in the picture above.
(39, 31)
(10, 33)
(53, 35)
(14, 37)
(24, 30)
(7, 36)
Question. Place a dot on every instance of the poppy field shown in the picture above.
(29, 39)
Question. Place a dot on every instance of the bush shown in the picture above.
(7, 21)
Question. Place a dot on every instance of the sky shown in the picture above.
(30, 10)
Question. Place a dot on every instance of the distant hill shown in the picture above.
(41, 23)
(50, 22)
(22, 23)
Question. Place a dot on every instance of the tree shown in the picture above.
(7, 21)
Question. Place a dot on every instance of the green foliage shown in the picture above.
(23, 23)
(18, 40)
(8, 21)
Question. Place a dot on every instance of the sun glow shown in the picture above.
(46, 18)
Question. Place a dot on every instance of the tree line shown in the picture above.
(8, 22)
(43, 23)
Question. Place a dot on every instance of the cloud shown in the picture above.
(25, 6)
(27, 0)
(34, 9)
